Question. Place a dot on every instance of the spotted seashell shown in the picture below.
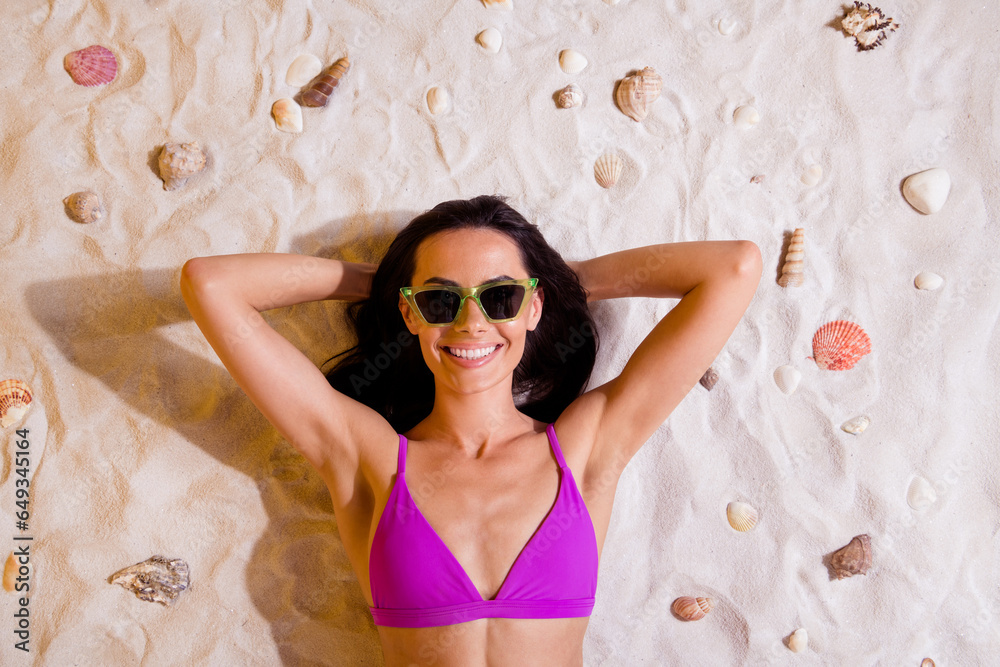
(157, 579)
(303, 69)
(287, 115)
(178, 162)
(92, 66)
(607, 169)
(15, 399)
(636, 92)
(867, 25)
(691, 608)
(742, 517)
(84, 207)
(855, 558)
(569, 97)
(787, 378)
(791, 271)
(798, 641)
(317, 94)
(837, 346)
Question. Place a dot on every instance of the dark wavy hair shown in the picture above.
(386, 370)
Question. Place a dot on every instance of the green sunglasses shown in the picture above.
(439, 305)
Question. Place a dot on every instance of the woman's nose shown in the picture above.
(470, 317)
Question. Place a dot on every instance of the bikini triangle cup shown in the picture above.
(417, 582)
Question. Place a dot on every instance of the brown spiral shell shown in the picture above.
(317, 93)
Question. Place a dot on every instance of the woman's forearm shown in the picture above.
(667, 270)
(273, 280)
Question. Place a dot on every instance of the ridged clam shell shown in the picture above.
(838, 345)
(287, 115)
(791, 271)
(928, 190)
(92, 66)
(490, 39)
(855, 558)
(156, 579)
(691, 608)
(928, 281)
(178, 162)
(317, 94)
(746, 117)
(569, 97)
(921, 494)
(438, 100)
(572, 62)
(856, 426)
(742, 517)
(303, 69)
(787, 378)
(607, 169)
(84, 207)
(799, 641)
(636, 92)
(15, 399)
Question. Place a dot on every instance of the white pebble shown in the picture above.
(928, 190)
(490, 39)
(798, 641)
(746, 117)
(572, 62)
(437, 100)
(928, 281)
(811, 175)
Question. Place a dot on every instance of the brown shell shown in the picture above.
(691, 608)
(635, 93)
(837, 346)
(156, 579)
(178, 162)
(709, 379)
(15, 397)
(84, 207)
(317, 93)
(855, 558)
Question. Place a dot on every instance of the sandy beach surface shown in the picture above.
(139, 443)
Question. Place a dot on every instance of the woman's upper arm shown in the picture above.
(327, 427)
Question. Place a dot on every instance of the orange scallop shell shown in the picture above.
(92, 66)
(692, 609)
(15, 397)
(837, 346)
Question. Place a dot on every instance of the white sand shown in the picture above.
(142, 444)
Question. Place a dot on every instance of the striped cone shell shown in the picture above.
(15, 397)
(92, 66)
(838, 345)
(318, 92)
(692, 609)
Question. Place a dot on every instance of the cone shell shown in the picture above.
(791, 272)
(92, 66)
(742, 517)
(692, 609)
(837, 346)
(84, 207)
(15, 399)
(607, 169)
(287, 115)
(317, 94)
(635, 93)
(855, 558)
(178, 162)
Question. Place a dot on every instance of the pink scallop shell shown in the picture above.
(92, 66)
(837, 346)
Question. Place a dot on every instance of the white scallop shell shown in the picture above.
(745, 117)
(287, 115)
(811, 175)
(856, 426)
(742, 517)
(572, 62)
(303, 69)
(928, 281)
(438, 100)
(490, 39)
(787, 378)
(798, 641)
(928, 190)
(726, 25)
(607, 169)
(921, 494)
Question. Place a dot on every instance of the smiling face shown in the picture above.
(472, 354)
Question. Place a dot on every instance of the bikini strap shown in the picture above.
(550, 430)
(401, 459)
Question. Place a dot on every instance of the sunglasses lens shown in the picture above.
(502, 302)
(438, 306)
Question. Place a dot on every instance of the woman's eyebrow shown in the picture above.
(444, 281)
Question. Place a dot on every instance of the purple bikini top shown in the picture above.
(416, 582)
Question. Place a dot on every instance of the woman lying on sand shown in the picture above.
(471, 479)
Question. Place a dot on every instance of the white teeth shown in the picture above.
(472, 354)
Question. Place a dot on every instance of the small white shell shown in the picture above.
(726, 25)
(745, 117)
(490, 39)
(607, 169)
(811, 175)
(928, 190)
(287, 115)
(499, 4)
(303, 69)
(921, 494)
(438, 100)
(572, 62)
(928, 281)
(787, 378)
(742, 517)
(569, 97)
(798, 641)
(856, 426)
